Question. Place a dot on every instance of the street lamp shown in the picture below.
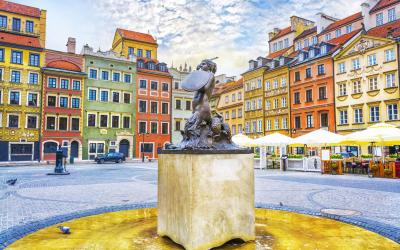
(143, 146)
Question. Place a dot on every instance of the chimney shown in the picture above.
(367, 18)
(71, 44)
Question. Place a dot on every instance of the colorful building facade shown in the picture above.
(62, 103)
(22, 31)
(109, 113)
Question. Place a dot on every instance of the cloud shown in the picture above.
(233, 30)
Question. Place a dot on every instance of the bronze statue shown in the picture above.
(202, 130)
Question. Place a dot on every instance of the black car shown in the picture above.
(114, 157)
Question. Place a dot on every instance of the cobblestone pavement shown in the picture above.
(37, 196)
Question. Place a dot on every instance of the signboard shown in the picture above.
(325, 155)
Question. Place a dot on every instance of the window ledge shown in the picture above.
(341, 73)
(389, 61)
(322, 74)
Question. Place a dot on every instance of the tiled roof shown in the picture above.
(339, 41)
(231, 86)
(306, 33)
(19, 9)
(19, 40)
(382, 4)
(383, 31)
(282, 33)
(136, 36)
(278, 53)
(61, 64)
(342, 22)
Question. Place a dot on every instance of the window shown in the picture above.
(240, 112)
(91, 120)
(3, 21)
(64, 83)
(356, 64)
(34, 59)
(14, 97)
(297, 98)
(75, 124)
(322, 93)
(275, 47)
(297, 76)
(164, 128)
(309, 96)
(62, 123)
(31, 121)
(131, 51)
(176, 85)
(276, 124)
(178, 104)
(371, 60)
(127, 98)
(254, 126)
(151, 66)
(13, 121)
(116, 76)
(323, 49)
(142, 106)
(188, 105)
(233, 114)
(153, 85)
(63, 102)
(247, 127)
(143, 84)
(390, 80)
(328, 36)
(389, 55)
(16, 24)
(93, 73)
(153, 107)
(92, 94)
(76, 85)
(140, 64)
(338, 32)
(374, 114)
(50, 123)
(286, 42)
(311, 53)
(343, 117)
(15, 76)
(373, 83)
(284, 123)
(298, 46)
(177, 125)
(233, 129)
(142, 128)
(276, 83)
(51, 101)
(103, 121)
(379, 19)
(164, 108)
(391, 15)
(165, 86)
(105, 75)
(127, 78)
(267, 85)
(310, 121)
(104, 95)
(342, 89)
(33, 78)
(115, 96)
(283, 81)
(314, 40)
(52, 82)
(324, 120)
(239, 96)
(297, 122)
(268, 125)
(392, 112)
(76, 103)
(358, 116)
(276, 103)
(115, 121)
(153, 127)
(126, 122)
(321, 69)
(357, 87)
(349, 28)
(139, 52)
(227, 116)
(32, 99)
(306, 42)
(342, 67)
(148, 53)
(16, 57)
(283, 102)
(268, 105)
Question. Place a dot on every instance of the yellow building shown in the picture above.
(276, 96)
(253, 98)
(127, 42)
(230, 105)
(23, 31)
(366, 81)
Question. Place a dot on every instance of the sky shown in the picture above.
(235, 31)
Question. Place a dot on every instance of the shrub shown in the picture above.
(336, 156)
(295, 156)
(366, 156)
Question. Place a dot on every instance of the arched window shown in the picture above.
(50, 147)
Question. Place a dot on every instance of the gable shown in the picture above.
(116, 40)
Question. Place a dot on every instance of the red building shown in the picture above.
(153, 115)
(63, 80)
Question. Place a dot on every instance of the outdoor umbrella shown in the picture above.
(273, 140)
(242, 140)
(381, 134)
(318, 138)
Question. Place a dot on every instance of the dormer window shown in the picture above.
(163, 68)
(312, 53)
(301, 57)
(151, 66)
(260, 61)
(282, 61)
(140, 64)
(314, 40)
(252, 64)
(323, 49)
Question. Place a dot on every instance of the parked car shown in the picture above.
(346, 155)
(113, 157)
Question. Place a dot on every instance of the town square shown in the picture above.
(198, 125)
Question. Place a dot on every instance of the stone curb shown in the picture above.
(15, 233)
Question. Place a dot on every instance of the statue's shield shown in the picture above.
(196, 80)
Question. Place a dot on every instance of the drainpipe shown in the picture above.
(41, 119)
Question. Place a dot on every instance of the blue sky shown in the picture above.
(187, 31)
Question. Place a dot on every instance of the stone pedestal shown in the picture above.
(206, 198)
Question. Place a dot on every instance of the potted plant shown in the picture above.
(293, 156)
(388, 172)
(366, 157)
(336, 157)
(334, 167)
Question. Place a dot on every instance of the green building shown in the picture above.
(109, 103)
